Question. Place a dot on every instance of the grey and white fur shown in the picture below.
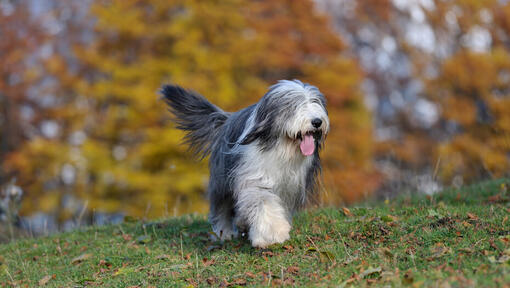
(259, 177)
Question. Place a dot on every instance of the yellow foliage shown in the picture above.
(131, 159)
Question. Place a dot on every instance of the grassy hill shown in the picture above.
(459, 238)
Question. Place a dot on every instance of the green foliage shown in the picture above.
(459, 237)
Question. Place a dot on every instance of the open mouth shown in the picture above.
(307, 141)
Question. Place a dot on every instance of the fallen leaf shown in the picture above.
(472, 216)
(80, 258)
(211, 280)
(238, 281)
(494, 198)
(408, 277)
(288, 247)
(466, 250)
(293, 270)
(346, 211)
(249, 274)
(46, 279)
(163, 257)
(208, 262)
(386, 252)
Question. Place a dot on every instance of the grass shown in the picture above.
(459, 238)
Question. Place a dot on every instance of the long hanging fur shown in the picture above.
(195, 115)
(258, 175)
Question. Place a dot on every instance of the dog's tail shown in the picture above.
(199, 118)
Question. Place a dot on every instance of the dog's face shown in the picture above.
(293, 111)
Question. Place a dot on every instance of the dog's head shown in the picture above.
(294, 111)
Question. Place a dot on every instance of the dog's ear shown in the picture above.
(262, 129)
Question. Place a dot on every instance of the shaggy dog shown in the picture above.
(264, 159)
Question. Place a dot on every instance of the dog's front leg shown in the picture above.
(265, 215)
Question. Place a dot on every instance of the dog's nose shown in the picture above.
(317, 122)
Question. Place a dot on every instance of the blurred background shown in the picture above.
(418, 95)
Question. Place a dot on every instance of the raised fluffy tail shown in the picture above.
(198, 117)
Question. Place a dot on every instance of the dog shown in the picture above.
(264, 159)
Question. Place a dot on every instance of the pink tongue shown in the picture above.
(307, 145)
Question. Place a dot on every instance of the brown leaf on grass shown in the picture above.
(46, 279)
(288, 247)
(249, 274)
(472, 216)
(495, 198)
(268, 253)
(347, 212)
(80, 258)
(211, 280)
(105, 263)
(163, 257)
(408, 277)
(293, 270)
(208, 262)
(386, 252)
(466, 250)
(239, 281)
(127, 237)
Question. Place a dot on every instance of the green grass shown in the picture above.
(459, 237)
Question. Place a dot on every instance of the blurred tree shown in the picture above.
(21, 40)
(379, 34)
(472, 87)
(428, 68)
(116, 147)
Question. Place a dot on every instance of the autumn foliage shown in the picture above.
(99, 139)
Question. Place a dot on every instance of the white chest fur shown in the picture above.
(281, 170)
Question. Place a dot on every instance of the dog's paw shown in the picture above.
(276, 232)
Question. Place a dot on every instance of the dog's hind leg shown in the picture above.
(266, 217)
(221, 217)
